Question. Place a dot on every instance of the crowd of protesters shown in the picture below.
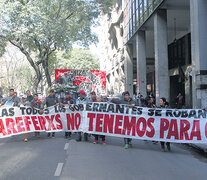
(67, 98)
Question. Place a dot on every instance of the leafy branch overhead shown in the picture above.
(42, 27)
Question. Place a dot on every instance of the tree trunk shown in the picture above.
(46, 70)
(34, 66)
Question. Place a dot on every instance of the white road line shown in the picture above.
(66, 146)
(59, 169)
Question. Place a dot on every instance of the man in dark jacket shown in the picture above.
(67, 100)
(29, 96)
(126, 99)
(49, 101)
(10, 100)
(36, 103)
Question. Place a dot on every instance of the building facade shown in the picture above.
(165, 41)
(157, 46)
(112, 58)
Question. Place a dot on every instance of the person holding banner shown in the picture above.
(10, 100)
(29, 96)
(83, 99)
(25, 103)
(164, 104)
(49, 101)
(94, 98)
(67, 100)
(126, 99)
(36, 103)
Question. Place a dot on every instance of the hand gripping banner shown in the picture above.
(171, 125)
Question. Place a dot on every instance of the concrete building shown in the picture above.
(112, 58)
(165, 50)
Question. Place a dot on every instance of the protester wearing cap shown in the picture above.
(49, 101)
(82, 100)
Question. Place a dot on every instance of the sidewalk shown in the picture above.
(202, 147)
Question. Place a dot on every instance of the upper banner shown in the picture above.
(171, 125)
(87, 80)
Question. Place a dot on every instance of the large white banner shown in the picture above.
(171, 125)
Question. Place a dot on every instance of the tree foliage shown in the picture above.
(77, 59)
(44, 26)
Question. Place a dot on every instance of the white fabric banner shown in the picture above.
(171, 125)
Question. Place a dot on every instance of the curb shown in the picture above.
(204, 150)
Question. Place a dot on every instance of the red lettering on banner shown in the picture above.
(70, 121)
(206, 130)
(108, 123)
(99, 122)
(2, 128)
(57, 119)
(19, 123)
(129, 126)
(77, 120)
(91, 116)
(27, 122)
(118, 123)
(184, 127)
(164, 125)
(149, 124)
(173, 129)
(142, 121)
(50, 121)
(10, 123)
(42, 122)
(196, 130)
(35, 122)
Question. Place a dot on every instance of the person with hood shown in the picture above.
(83, 99)
(126, 99)
(49, 101)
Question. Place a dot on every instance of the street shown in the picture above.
(46, 158)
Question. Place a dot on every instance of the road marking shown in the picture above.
(66, 146)
(59, 169)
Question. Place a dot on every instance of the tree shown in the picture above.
(77, 59)
(15, 71)
(42, 27)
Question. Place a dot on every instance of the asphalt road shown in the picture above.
(62, 159)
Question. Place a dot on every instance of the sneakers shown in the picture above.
(95, 142)
(126, 146)
(104, 143)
